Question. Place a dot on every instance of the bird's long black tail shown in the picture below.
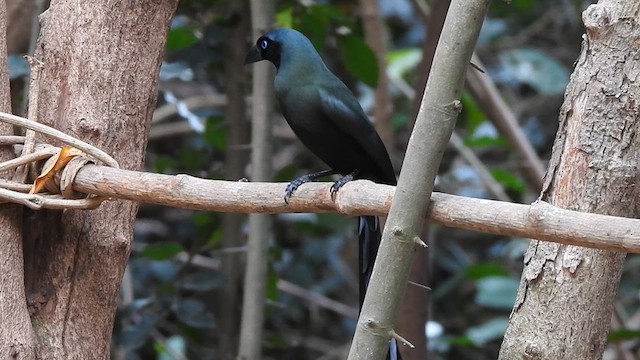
(369, 236)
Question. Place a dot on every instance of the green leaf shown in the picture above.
(359, 59)
(202, 280)
(314, 23)
(215, 134)
(191, 159)
(399, 120)
(496, 292)
(193, 312)
(276, 341)
(485, 269)
(402, 61)
(163, 251)
(284, 18)
(136, 335)
(181, 38)
(623, 334)
(509, 180)
(536, 69)
(460, 341)
(484, 141)
(272, 285)
(471, 113)
(177, 344)
(491, 330)
(215, 237)
(162, 163)
(203, 219)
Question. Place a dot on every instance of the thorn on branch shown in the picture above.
(425, 287)
(400, 234)
(417, 240)
(400, 339)
(377, 329)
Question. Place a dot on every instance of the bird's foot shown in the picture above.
(293, 185)
(340, 183)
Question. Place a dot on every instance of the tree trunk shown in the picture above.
(565, 300)
(99, 83)
(16, 335)
(236, 160)
(255, 277)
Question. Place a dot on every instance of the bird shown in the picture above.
(328, 119)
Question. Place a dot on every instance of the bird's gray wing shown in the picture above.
(343, 110)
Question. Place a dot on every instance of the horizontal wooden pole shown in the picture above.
(540, 220)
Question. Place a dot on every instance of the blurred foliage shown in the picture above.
(173, 281)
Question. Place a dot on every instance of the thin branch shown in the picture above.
(481, 169)
(251, 327)
(539, 220)
(489, 99)
(456, 141)
(434, 124)
(166, 111)
(59, 135)
(22, 173)
(288, 287)
(374, 35)
(318, 299)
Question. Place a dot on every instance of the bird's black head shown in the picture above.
(290, 51)
(264, 49)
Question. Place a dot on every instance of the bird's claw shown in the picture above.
(294, 184)
(291, 188)
(338, 184)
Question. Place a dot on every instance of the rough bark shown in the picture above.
(101, 62)
(566, 295)
(20, 14)
(16, 335)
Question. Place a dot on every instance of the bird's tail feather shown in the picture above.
(369, 236)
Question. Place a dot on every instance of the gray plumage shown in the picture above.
(328, 119)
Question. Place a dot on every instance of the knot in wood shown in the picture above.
(376, 328)
(596, 18)
(538, 211)
(397, 231)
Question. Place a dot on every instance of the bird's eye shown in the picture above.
(264, 44)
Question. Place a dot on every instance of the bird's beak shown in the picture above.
(253, 55)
